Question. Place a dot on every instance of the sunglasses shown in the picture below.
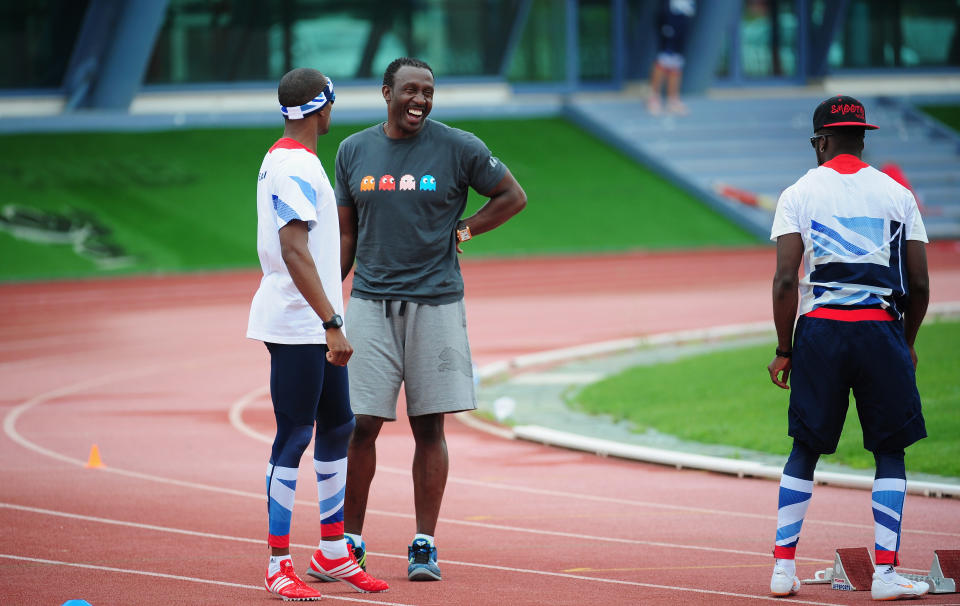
(815, 138)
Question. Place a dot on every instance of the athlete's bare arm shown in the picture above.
(506, 199)
(303, 271)
(785, 299)
(348, 238)
(918, 283)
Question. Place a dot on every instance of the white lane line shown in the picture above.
(208, 535)
(510, 569)
(177, 577)
(236, 419)
(236, 416)
(557, 378)
(485, 526)
(10, 420)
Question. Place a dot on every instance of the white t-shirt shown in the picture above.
(854, 221)
(293, 185)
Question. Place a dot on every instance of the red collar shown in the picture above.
(846, 164)
(288, 143)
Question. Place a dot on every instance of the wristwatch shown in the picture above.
(463, 232)
(783, 354)
(335, 321)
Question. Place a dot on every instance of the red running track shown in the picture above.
(156, 372)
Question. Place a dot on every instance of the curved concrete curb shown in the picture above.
(680, 460)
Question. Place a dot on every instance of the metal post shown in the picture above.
(516, 32)
(573, 45)
(125, 62)
(705, 41)
(833, 17)
(618, 25)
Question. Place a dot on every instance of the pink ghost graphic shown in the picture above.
(387, 182)
(407, 182)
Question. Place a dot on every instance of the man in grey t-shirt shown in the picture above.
(401, 189)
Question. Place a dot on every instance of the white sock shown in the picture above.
(425, 537)
(790, 566)
(886, 571)
(274, 566)
(357, 539)
(334, 550)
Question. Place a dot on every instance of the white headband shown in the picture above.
(297, 112)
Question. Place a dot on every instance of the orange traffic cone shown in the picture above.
(94, 461)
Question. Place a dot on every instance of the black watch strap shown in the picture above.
(335, 321)
(783, 354)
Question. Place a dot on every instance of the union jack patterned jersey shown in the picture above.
(855, 222)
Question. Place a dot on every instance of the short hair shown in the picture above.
(847, 137)
(399, 62)
(300, 85)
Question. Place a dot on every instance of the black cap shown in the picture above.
(840, 111)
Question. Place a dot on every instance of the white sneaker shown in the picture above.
(782, 584)
(896, 587)
(654, 106)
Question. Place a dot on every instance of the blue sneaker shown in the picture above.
(423, 562)
(359, 551)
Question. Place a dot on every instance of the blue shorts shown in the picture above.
(673, 32)
(831, 357)
(306, 388)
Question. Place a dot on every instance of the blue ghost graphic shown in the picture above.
(428, 183)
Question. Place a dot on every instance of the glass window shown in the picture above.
(541, 53)
(898, 33)
(36, 41)
(768, 38)
(243, 40)
(596, 59)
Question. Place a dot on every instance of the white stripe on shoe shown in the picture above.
(347, 569)
(279, 583)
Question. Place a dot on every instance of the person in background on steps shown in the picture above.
(673, 22)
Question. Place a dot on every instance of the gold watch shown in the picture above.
(463, 232)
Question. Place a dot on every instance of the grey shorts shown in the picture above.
(425, 347)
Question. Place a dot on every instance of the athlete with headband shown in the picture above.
(296, 312)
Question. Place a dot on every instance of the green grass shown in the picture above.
(727, 398)
(948, 114)
(184, 200)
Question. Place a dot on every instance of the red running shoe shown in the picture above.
(288, 585)
(346, 570)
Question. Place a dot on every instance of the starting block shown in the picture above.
(853, 571)
(944, 572)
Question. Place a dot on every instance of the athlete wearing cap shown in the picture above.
(296, 313)
(861, 300)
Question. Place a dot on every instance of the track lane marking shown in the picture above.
(236, 419)
(709, 567)
(177, 577)
(10, 429)
(407, 516)
(511, 569)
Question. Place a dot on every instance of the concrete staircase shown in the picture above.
(754, 148)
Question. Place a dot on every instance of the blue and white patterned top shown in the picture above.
(854, 221)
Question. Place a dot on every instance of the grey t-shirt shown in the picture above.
(409, 195)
